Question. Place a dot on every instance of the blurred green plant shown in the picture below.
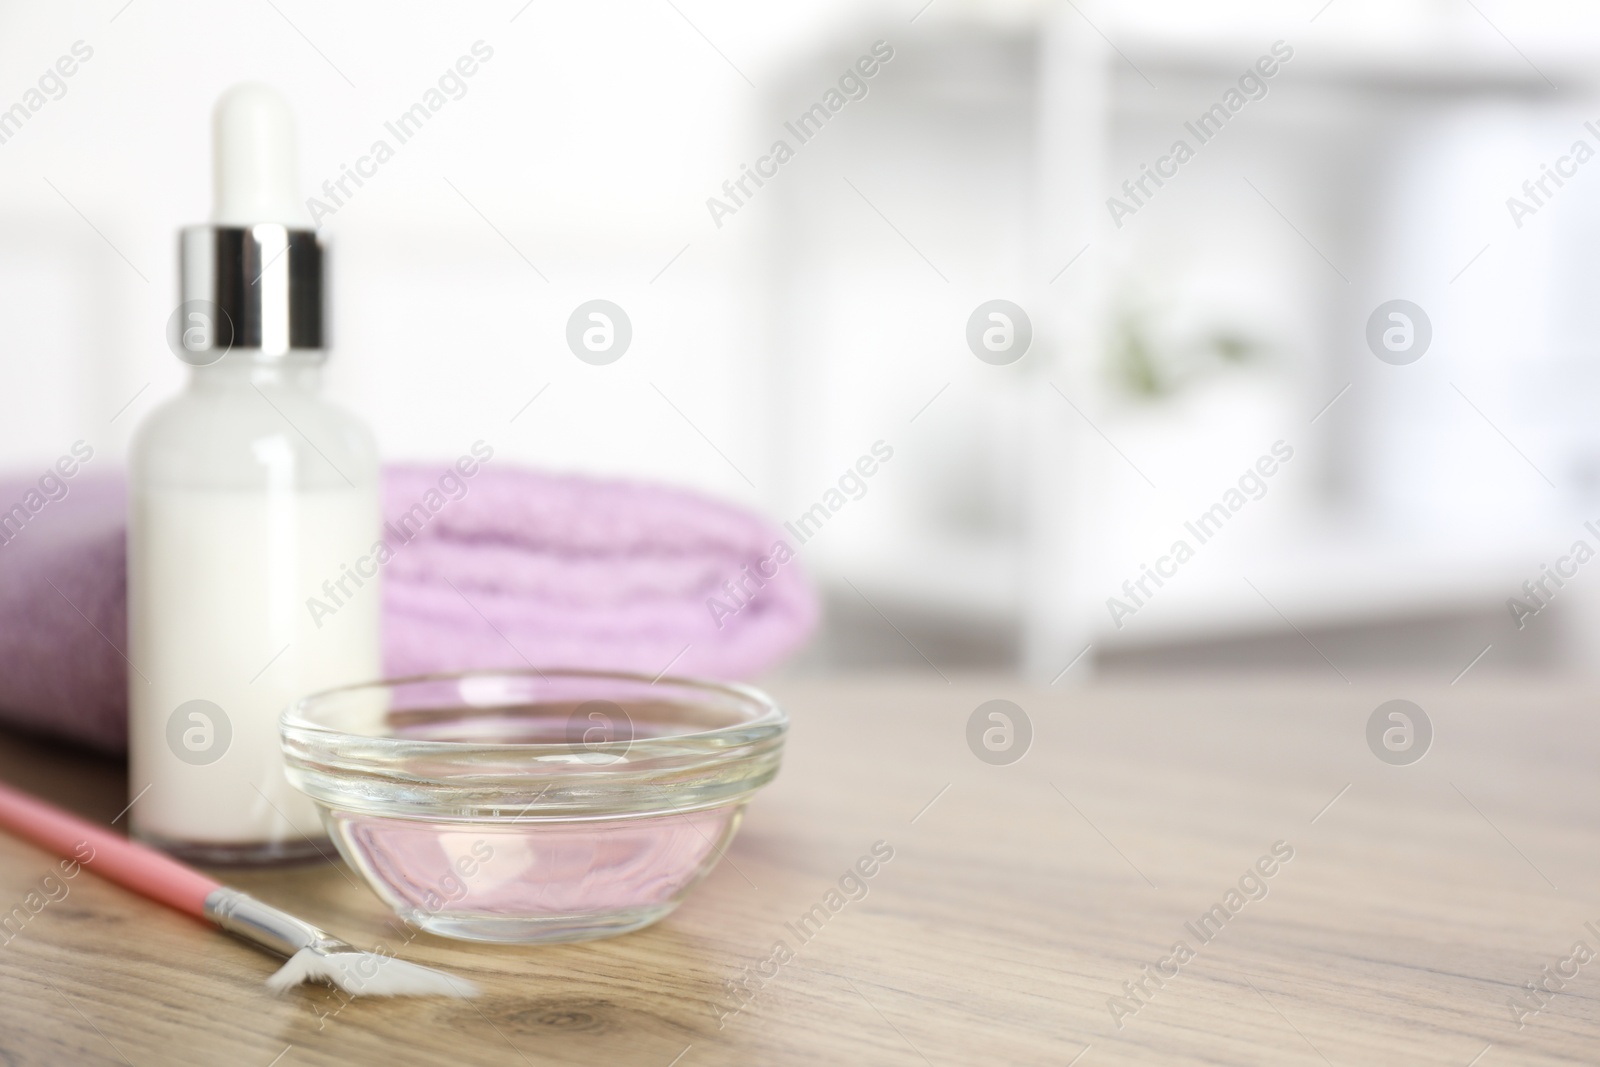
(1145, 367)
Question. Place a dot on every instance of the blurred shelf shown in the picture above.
(978, 581)
(1344, 581)
(1450, 55)
(1335, 581)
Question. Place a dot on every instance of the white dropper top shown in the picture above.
(253, 156)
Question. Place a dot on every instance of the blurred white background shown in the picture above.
(830, 312)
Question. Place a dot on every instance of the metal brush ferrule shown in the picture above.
(264, 283)
(262, 924)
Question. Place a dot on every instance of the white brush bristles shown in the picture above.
(367, 974)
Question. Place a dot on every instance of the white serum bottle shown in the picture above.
(247, 493)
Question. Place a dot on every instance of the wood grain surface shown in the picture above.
(1020, 898)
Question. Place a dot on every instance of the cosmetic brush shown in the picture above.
(314, 956)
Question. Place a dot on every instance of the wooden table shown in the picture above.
(1019, 899)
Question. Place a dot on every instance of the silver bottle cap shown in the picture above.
(261, 286)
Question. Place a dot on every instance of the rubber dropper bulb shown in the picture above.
(254, 160)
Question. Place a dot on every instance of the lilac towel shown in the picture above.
(570, 571)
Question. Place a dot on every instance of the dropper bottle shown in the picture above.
(248, 495)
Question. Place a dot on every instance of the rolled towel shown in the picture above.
(581, 573)
(63, 609)
(503, 569)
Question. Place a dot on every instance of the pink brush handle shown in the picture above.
(110, 855)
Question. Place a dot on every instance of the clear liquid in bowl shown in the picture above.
(529, 880)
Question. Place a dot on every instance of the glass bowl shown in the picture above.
(533, 806)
